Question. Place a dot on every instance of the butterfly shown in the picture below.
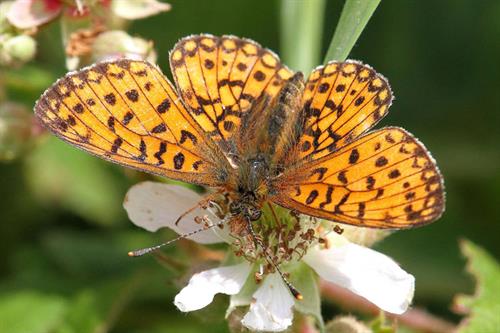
(240, 121)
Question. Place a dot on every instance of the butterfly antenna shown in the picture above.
(290, 286)
(205, 201)
(141, 252)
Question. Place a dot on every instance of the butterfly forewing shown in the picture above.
(127, 112)
(341, 101)
(385, 179)
(219, 79)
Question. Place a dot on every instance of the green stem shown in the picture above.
(301, 28)
(354, 17)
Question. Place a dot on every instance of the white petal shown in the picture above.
(272, 309)
(152, 206)
(367, 273)
(137, 9)
(203, 286)
(26, 14)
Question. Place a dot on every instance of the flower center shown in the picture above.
(285, 235)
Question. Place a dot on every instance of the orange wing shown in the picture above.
(127, 112)
(385, 179)
(341, 101)
(220, 77)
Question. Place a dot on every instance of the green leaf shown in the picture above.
(26, 83)
(301, 29)
(84, 314)
(30, 312)
(484, 306)
(354, 17)
(98, 309)
(90, 255)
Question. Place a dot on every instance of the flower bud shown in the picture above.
(17, 50)
(117, 44)
(363, 236)
(132, 10)
(4, 22)
(346, 324)
(26, 14)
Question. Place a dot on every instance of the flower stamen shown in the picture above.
(272, 261)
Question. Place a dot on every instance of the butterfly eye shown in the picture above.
(254, 214)
(235, 207)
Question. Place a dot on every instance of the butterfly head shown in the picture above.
(245, 207)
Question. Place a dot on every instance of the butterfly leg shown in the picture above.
(275, 216)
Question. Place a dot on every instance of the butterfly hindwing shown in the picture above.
(127, 112)
(219, 79)
(385, 179)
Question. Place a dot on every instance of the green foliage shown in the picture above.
(301, 29)
(21, 89)
(484, 306)
(28, 311)
(353, 20)
(79, 282)
(77, 181)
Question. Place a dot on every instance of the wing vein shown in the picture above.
(97, 118)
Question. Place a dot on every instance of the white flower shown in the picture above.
(363, 271)
(152, 206)
(26, 14)
(133, 10)
(272, 307)
(226, 280)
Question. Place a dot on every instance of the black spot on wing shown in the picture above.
(116, 145)
(179, 161)
(187, 135)
(312, 196)
(159, 128)
(132, 95)
(160, 152)
(110, 99)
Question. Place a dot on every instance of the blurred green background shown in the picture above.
(64, 235)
